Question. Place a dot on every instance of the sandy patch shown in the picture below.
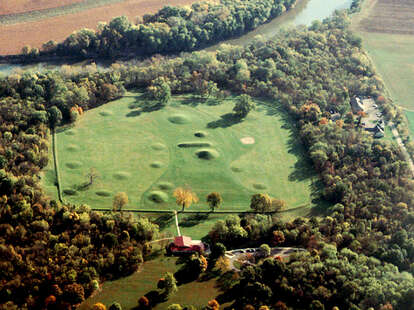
(247, 140)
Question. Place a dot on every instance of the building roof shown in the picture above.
(183, 241)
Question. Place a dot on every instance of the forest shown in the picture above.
(360, 255)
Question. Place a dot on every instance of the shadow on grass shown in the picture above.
(193, 220)
(143, 107)
(164, 221)
(226, 120)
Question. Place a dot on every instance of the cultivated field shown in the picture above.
(57, 28)
(148, 154)
(21, 6)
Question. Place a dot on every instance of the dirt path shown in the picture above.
(14, 37)
(402, 147)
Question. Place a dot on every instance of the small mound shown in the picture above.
(236, 169)
(195, 144)
(105, 113)
(259, 186)
(179, 119)
(165, 186)
(74, 164)
(158, 197)
(70, 192)
(158, 146)
(103, 193)
(207, 154)
(72, 147)
(156, 164)
(247, 140)
(121, 175)
(201, 134)
(70, 132)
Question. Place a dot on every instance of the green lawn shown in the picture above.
(128, 290)
(393, 57)
(148, 154)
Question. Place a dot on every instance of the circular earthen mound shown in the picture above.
(259, 186)
(179, 119)
(156, 164)
(247, 140)
(158, 197)
(121, 175)
(74, 164)
(158, 146)
(70, 192)
(105, 113)
(70, 132)
(236, 169)
(72, 148)
(207, 154)
(103, 193)
(201, 134)
(165, 186)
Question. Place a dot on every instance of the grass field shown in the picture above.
(57, 28)
(128, 290)
(147, 155)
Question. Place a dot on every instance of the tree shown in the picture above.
(214, 200)
(170, 284)
(243, 106)
(98, 306)
(261, 202)
(115, 306)
(184, 197)
(265, 250)
(120, 200)
(92, 175)
(55, 116)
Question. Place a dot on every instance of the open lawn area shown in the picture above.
(147, 152)
(128, 290)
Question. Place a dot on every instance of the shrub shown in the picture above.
(115, 306)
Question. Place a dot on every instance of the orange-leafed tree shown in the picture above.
(184, 197)
(213, 305)
(98, 306)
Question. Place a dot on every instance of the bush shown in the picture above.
(115, 306)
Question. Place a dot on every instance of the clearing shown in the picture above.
(128, 290)
(185, 144)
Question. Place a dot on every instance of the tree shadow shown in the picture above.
(194, 219)
(225, 121)
(164, 220)
(144, 107)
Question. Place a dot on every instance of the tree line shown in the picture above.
(170, 30)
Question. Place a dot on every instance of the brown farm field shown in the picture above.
(22, 6)
(388, 16)
(57, 28)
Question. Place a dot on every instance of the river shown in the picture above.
(304, 13)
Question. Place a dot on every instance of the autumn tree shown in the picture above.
(184, 197)
(120, 200)
(261, 203)
(214, 200)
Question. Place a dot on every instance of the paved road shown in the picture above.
(402, 147)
